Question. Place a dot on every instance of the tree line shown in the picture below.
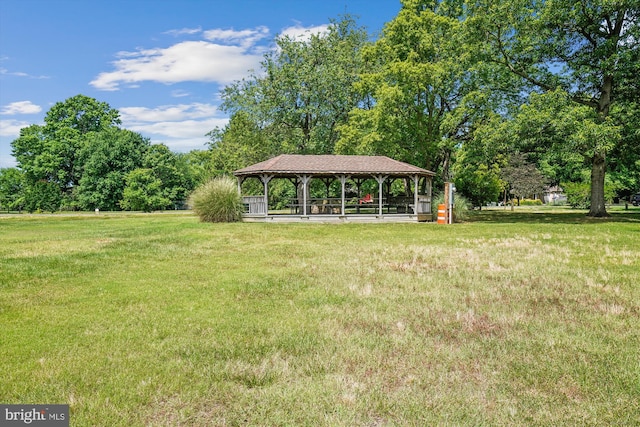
(499, 97)
(496, 96)
(80, 159)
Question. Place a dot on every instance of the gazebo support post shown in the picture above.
(265, 181)
(381, 179)
(304, 179)
(416, 182)
(240, 181)
(343, 181)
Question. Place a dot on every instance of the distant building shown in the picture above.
(554, 195)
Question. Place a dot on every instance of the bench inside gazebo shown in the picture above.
(346, 202)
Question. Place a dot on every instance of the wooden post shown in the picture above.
(343, 181)
(381, 179)
(449, 188)
(240, 181)
(304, 179)
(265, 181)
(429, 192)
(416, 182)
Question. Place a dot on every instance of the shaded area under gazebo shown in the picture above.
(351, 172)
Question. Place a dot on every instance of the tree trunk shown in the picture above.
(446, 173)
(599, 165)
(598, 208)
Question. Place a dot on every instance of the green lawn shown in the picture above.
(513, 318)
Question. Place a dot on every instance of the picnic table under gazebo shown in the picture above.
(351, 172)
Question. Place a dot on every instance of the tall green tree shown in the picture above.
(242, 142)
(624, 159)
(107, 158)
(49, 153)
(11, 189)
(479, 162)
(174, 179)
(303, 91)
(143, 192)
(589, 49)
(42, 196)
(425, 97)
(199, 165)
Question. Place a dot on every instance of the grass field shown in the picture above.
(512, 318)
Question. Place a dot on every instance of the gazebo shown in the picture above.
(351, 172)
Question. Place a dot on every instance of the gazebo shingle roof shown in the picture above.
(296, 164)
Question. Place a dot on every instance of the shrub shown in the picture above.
(461, 207)
(217, 200)
(578, 194)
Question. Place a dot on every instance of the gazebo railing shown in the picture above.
(254, 205)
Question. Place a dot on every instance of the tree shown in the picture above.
(11, 189)
(34, 157)
(143, 192)
(560, 135)
(523, 178)
(42, 196)
(240, 143)
(424, 96)
(82, 114)
(106, 160)
(303, 92)
(588, 49)
(478, 163)
(199, 165)
(175, 185)
(49, 153)
(624, 159)
(480, 184)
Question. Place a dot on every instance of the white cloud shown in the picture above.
(11, 128)
(182, 31)
(179, 93)
(6, 72)
(298, 32)
(178, 130)
(200, 60)
(181, 127)
(244, 38)
(167, 112)
(21, 107)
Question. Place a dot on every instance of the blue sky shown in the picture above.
(161, 63)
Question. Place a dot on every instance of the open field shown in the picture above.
(523, 318)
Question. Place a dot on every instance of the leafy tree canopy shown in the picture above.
(588, 50)
(106, 160)
(49, 153)
(303, 92)
(143, 192)
(11, 189)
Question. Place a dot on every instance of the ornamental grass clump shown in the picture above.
(217, 200)
(461, 207)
